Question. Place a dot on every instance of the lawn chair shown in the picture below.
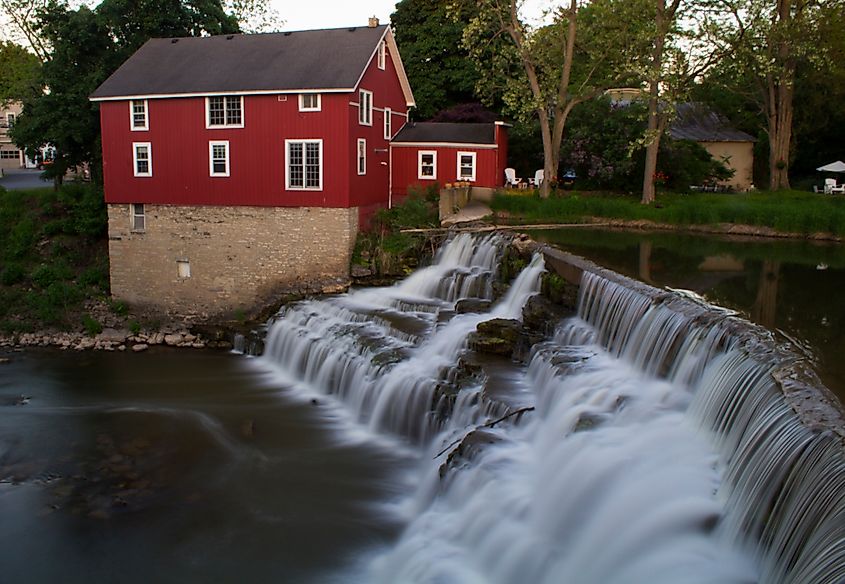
(829, 185)
(511, 180)
(537, 180)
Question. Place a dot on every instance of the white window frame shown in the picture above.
(361, 156)
(388, 124)
(471, 178)
(303, 141)
(420, 155)
(382, 55)
(11, 117)
(132, 125)
(304, 108)
(133, 214)
(149, 147)
(226, 98)
(365, 107)
(211, 145)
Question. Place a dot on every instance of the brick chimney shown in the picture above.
(372, 22)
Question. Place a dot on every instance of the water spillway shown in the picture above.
(659, 440)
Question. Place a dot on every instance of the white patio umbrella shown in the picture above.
(837, 166)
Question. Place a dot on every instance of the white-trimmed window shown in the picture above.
(362, 156)
(224, 111)
(142, 158)
(138, 115)
(304, 165)
(309, 102)
(218, 158)
(138, 220)
(427, 165)
(388, 124)
(10, 119)
(381, 55)
(365, 107)
(466, 166)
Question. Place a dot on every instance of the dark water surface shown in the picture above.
(794, 287)
(180, 466)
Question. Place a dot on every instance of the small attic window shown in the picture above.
(381, 55)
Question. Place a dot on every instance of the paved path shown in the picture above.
(18, 179)
(474, 211)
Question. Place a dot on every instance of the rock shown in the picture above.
(110, 335)
(189, 338)
(224, 345)
(86, 343)
(361, 272)
(140, 347)
(121, 348)
(498, 336)
(472, 305)
(4, 360)
(173, 339)
(541, 314)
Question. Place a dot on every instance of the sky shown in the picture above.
(340, 13)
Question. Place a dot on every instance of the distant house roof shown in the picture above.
(327, 59)
(443, 132)
(695, 121)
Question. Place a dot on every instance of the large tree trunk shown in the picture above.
(780, 109)
(654, 126)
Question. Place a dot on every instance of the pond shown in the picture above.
(793, 287)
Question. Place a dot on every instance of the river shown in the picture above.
(341, 455)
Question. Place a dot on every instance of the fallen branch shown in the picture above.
(487, 425)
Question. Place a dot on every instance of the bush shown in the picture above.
(92, 326)
(12, 273)
(45, 275)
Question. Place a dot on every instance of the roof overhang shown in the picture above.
(214, 93)
(443, 145)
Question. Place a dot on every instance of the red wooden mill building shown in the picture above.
(237, 167)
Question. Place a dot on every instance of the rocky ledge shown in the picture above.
(114, 340)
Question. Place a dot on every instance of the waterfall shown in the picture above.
(385, 352)
(656, 443)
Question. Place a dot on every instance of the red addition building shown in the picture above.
(238, 167)
(431, 153)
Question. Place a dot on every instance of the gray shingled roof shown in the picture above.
(311, 59)
(447, 132)
(695, 121)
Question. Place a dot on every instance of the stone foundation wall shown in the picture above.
(238, 258)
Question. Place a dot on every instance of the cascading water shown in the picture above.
(659, 448)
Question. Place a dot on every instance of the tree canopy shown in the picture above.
(428, 34)
(19, 73)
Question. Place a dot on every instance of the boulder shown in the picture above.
(472, 305)
(173, 340)
(140, 347)
(111, 335)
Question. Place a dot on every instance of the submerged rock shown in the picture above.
(472, 305)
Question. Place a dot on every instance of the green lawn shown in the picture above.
(785, 211)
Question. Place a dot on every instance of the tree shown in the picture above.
(428, 34)
(21, 19)
(19, 73)
(559, 68)
(86, 46)
(770, 41)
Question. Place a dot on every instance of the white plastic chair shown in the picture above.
(511, 180)
(829, 185)
(537, 180)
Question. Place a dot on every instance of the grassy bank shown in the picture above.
(53, 258)
(789, 211)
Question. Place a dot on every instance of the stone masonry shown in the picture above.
(201, 262)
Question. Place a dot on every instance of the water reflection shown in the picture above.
(794, 287)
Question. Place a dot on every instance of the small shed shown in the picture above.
(438, 153)
(697, 122)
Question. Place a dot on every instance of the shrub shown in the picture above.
(92, 326)
(45, 275)
(12, 273)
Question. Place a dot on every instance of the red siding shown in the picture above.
(406, 172)
(370, 191)
(257, 153)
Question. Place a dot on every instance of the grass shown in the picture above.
(53, 257)
(785, 211)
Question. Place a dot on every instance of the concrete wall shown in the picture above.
(738, 156)
(240, 258)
